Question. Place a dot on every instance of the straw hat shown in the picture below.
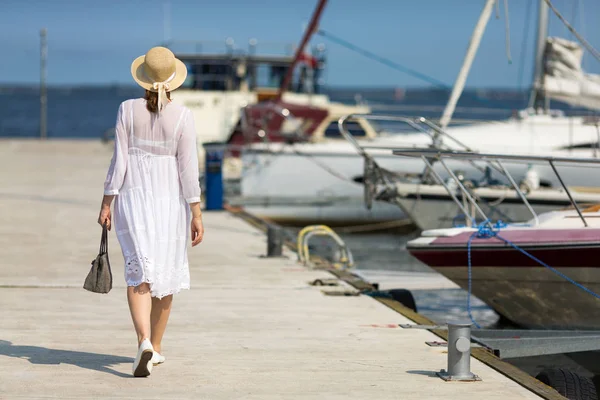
(159, 71)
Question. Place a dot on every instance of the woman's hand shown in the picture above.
(104, 216)
(197, 231)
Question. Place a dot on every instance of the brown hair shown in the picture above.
(152, 100)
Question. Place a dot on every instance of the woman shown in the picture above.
(154, 177)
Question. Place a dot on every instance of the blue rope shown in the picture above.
(470, 281)
(486, 231)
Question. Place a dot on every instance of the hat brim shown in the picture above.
(137, 72)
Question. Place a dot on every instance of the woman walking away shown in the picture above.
(154, 177)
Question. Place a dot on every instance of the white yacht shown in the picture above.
(322, 182)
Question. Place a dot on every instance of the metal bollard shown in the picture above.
(274, 241)
(459, 354)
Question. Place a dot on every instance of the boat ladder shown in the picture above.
(344, 259)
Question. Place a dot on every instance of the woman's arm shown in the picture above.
(105, 216)
(196, 211)
(118, 164)
(197, 225)
(187, 161)
(117, 168)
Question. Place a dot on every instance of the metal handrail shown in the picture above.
(415, 123)
(420, 124)
(436, 153)
(411, 152)
(439, 179)
(426, 154)
(521, 195)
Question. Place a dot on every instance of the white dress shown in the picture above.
(154, 173)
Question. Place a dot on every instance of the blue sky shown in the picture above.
(93, 42)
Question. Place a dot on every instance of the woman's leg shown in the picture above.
(161, 309)
(140, 306)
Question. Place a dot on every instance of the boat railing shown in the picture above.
(419, 124)
(373, 174)
(439, 152)
(442, 155)
(475, 111)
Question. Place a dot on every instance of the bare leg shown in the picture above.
(161, 309)
(140, 306)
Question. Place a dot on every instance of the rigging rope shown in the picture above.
(574, 17)
(580, 38)
(322, 165)
(524, 43)
(383, 60)
(507, 28)
(582, 27)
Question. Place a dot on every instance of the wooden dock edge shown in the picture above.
(485, 356)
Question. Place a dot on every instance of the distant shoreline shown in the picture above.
(34, 88)
(29, 86)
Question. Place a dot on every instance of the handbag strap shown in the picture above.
(104, 240)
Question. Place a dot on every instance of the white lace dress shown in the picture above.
(154, 173)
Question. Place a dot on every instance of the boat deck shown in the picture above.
(250, 327)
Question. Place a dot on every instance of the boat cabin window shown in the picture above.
(211, 76)
(353, 127)
(238, 70)
(267, 76)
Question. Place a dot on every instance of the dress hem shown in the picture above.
(164, 294)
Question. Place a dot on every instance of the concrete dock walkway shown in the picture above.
(250, 327)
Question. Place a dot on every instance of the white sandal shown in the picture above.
(158, 358)
(142, 365)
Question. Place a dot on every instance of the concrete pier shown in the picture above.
(250, 328)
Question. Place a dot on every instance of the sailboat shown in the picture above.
(320, 182)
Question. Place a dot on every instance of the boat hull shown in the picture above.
(435, 213)
(534, 298)
(346, 212)
(287, 187)
(519, 288)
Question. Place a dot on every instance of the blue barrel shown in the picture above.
(213, 175)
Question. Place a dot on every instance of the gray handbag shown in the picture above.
(99, 279)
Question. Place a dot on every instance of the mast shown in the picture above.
(537, 98)
(307, 34)
(469, 57)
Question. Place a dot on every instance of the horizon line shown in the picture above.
(133, 86)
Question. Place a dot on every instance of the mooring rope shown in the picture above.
(486, 230)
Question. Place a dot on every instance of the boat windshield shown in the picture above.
(353, 127)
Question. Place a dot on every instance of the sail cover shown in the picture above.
(564, 79)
